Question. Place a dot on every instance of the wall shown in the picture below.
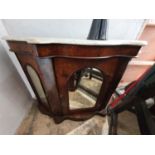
(71, 28)
(63, 28)
(147, 53)
(15, 100)
(124, 29)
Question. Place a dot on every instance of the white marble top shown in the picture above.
(36, 40)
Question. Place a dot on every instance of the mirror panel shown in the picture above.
(37, 84)
(84, 87)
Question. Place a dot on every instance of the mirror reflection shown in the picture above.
(84, 87)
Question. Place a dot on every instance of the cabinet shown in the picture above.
(57, 70)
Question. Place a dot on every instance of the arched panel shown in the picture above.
(84, 88)
(37, 84)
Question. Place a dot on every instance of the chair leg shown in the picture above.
(145, 120)
(113, 124)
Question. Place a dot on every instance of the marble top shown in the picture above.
(36, 40)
